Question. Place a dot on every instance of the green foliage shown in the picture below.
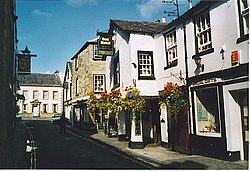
(174, 98)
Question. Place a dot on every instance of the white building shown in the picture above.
(43, 94)
(133, 65)
(211, 44)
(67, 88)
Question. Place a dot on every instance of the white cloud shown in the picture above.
(149, 7)
(75, 3)
(41, 13)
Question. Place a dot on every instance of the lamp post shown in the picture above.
(198, 63)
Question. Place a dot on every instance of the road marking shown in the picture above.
(81, 137)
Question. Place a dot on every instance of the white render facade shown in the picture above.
(46, 106)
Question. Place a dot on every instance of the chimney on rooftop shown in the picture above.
(56, 73)
(164, 20)
(190, 3)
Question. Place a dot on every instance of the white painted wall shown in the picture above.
(40, 90)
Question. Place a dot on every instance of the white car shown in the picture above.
(18, 117)
(56, 118)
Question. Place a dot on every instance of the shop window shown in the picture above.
(171, 49)
(207, 112)
(99, 81)
(203, 33)
(146, 67)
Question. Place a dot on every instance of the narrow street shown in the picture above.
(69, 151)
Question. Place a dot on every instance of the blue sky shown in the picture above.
(56, 30)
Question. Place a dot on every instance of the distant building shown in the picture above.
(43, 94)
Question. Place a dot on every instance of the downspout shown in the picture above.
(187, 84)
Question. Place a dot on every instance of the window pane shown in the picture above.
(207, 111)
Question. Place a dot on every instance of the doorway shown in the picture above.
(243, 102)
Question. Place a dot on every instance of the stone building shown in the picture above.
(8, 46)
(88, 75)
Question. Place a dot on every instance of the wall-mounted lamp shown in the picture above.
(198, 63)
(222, 51)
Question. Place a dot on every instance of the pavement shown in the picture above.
(14, 155)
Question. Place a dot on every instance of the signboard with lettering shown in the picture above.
(105, 45)
(235, 57)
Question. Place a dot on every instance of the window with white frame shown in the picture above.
(171, 48)
(96, 55)
(243, 6)
(207, 112)
(55, 95)
(35, 94)
(45, 95)
(99, 81)
(146, 69)
(203, 32)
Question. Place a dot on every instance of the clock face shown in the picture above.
(24, 64)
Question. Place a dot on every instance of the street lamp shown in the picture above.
(198, 63)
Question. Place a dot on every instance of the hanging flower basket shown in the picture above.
(174, 98)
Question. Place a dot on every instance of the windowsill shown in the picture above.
(172, 64)
(203, 53)
(116, 85)
(242, 38)
(146, 78)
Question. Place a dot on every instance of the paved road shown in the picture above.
(70, 151)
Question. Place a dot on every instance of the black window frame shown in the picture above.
(141, 77)
(116, 71)
(243, 36)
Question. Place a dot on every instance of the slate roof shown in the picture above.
(37, 79)
(137, 26)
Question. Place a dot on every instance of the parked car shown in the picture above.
(56, 118)
(18, 117)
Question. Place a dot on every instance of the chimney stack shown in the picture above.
(190, 3)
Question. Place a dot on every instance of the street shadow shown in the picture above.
(185, 165)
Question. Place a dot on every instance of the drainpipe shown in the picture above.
(187, 81)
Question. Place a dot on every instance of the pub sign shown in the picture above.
(23, 63)
(105, 45)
